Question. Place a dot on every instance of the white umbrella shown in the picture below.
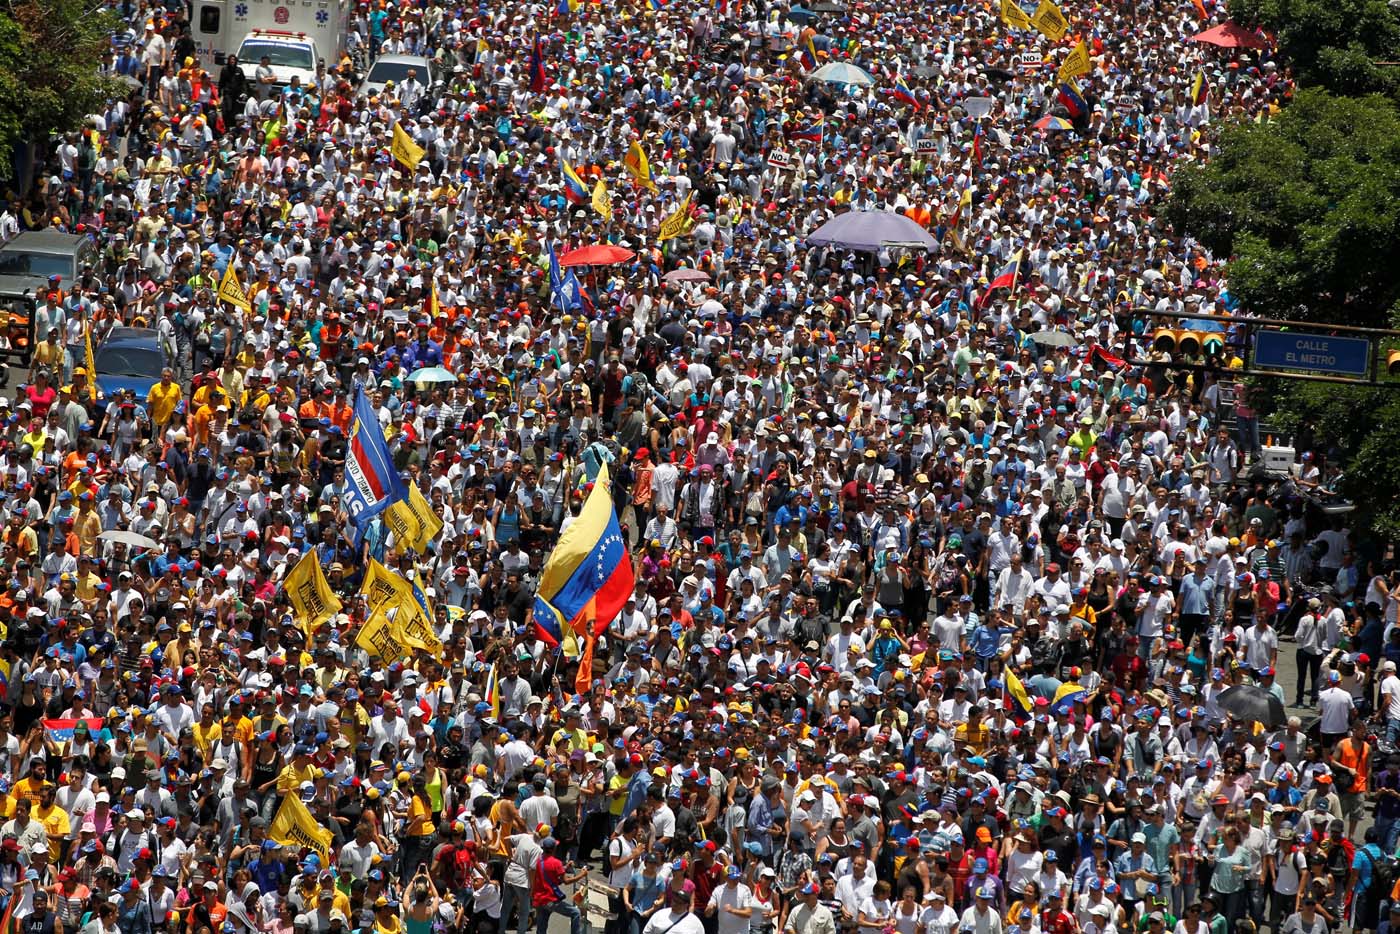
(1054, 338)
(843, 73)
(686, 275)
(131, 539)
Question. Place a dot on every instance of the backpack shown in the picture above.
(1384, 872)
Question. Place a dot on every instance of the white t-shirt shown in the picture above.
(738, 896)
(1390, 692)
(1336, 705)
(669, 921)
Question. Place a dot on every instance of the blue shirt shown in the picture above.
(760, 820)
(1197, 595)
(1364, 864)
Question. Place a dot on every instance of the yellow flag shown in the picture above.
(1050, 21)
(232, 291)
(294, 826)
(377, 637)
(412, 627)
(679, 223)
(601, 202)
(637, 166)
(1013, 16)
(383, 588)
(1017, 690)
(313, 602)
(413, 521)
(91, 360)
(1076, 63)
(404, 148)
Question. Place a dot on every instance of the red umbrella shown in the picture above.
(604, 254)
(1230, 36)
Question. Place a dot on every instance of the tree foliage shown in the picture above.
(49, 56)
(1307, 207)
(1331, 44)
(1358, 427)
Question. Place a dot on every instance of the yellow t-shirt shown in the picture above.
(163, 400)
(30, 788)
(418, 808)
(292, 777)
(615, 805)
(204, 736)
(55, 821)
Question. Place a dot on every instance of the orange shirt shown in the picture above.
(1357, 757)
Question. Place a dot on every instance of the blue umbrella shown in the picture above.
(432, 374)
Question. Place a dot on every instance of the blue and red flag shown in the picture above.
(977, 144)
(1004, 279)
(902, 92)
(808, 55)
(372, 485)
(539, 81)
(60, 730)
(657, 4)
(564, 287)
(1072, 100)
(588, 576)
(812, 133)
(575, 191)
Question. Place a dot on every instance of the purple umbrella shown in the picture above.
(870, 231)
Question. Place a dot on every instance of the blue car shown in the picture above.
(129, 358)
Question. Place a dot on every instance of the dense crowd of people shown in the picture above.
(942, 579)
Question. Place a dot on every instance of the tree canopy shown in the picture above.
(50, 51)
(1307, 205)
(1331, 44)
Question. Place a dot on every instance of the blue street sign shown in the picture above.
(1289, 350)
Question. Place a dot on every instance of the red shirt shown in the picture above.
(549, 877)
(1057, 922)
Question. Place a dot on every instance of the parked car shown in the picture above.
(128, 358)
(47, 253)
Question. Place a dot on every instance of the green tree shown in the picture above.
(1362, 425)
(1307, 207)
(49, 56)
(1332, 44)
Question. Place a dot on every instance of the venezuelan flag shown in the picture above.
(588, 576)
(1017, 690)
(657, 4)
(902, 92)
(808, 55)
(812, 133)
(538, 79)
(1066, 697)
(493, 693)
(567, 6)
(1068, 93)
(575, 191)
(1200, 88)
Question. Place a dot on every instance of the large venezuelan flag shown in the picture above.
(575, 191)
(588, 576)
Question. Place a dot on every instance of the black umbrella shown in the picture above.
(1250, 702)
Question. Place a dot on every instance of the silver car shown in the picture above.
(395, 68)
